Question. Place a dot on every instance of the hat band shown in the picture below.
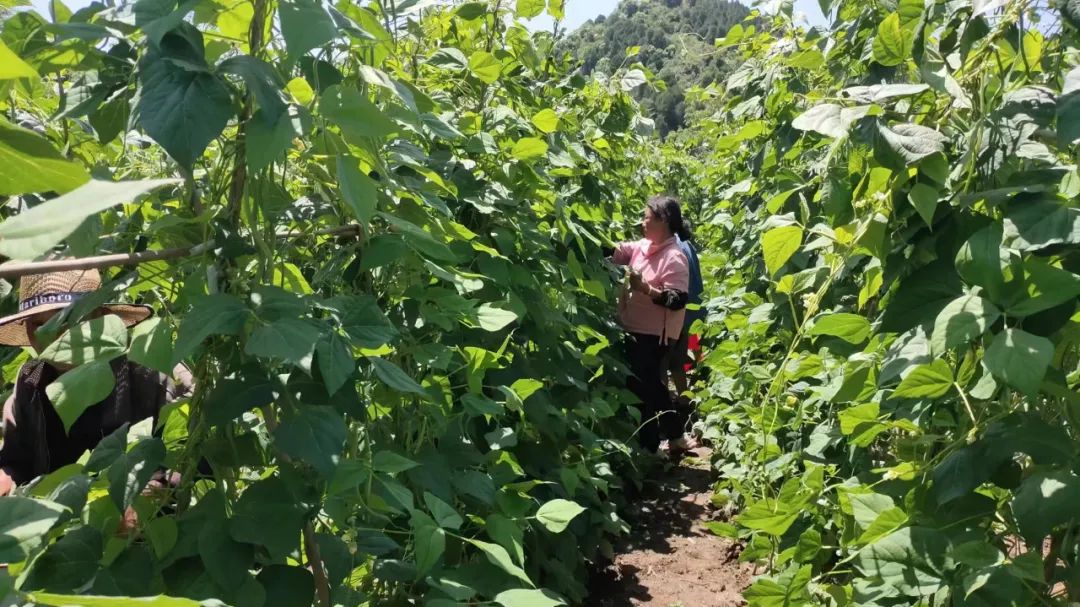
(49, 298)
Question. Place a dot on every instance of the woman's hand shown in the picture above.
(638, 283)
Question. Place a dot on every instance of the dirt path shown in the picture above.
(670, 559)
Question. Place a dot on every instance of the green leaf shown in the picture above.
(829, 119)
(913, 560)
(231, 397)
(1068, 104)
(523, 597)
(485, 66)
(391, 463)
(443, 513)
(499, 557)
(287, 586)
(357, 189)
(362, 320)
(268, 139)
(79, 389)
(262, 82)
(226, 559)
(900, 145)
(82, 600)
(218, 314)
(963, 320)
(101, 339)
(31, 163)
(152, 345)
(108, 450)
(24, 523)
(1035, 225)
(392, 375)
(429, 541)
(37, 230)
(13, 67)
(779, 244)
(291, 339)
(493, 318)
(981, 260)
(269, 500)
(69, 563)
(315, 435)
(529, 148)
(508, 534)
(893, 43)
(925, 199)
(1047, 287)
(182, 109)
(769, 516)
(556, 515)
(305, 25)
(851, 328)
(336, 362)
(546, 120)
(1020, 359)
(930, 380)
(1044, 501)
(527, 9)
(501, 438)
(131, 472)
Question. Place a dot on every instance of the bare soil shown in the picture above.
(670, 559)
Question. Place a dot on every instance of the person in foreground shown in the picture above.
(651, 311)
(35, 442)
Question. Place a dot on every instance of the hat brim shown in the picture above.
(13, 327)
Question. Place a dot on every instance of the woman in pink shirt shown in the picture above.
(651, 309)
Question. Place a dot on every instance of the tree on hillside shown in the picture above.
(675, 38)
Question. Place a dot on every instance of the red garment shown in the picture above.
(694, 344)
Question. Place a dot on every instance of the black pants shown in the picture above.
(647, 355)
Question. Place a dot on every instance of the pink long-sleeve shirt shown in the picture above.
(663, 266)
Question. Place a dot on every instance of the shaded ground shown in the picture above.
(670, 559)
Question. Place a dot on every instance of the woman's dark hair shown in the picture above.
(666, 208)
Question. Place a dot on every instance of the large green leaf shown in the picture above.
(1020, 359)
(963, 320)
(210, 315)
(529, 148)
(893, 43)
(262, 82)
(79, 389)
(429, 541)
(1047, 286)
(362, 320)
(930, 380)
(290, 339)
(314, 434)
(357, 117)
(1035, 225)
(779, 244)
(305, 25)
(982, 260)
(829, 119)
(30, 162)
(101, 339)
(357, 189)
(485, 66)
(1046, 500)
(336, 362)
(899, 145)
(499, 557)
(769, 516)
(152, 345)
(182, 105)
(913, 560)
(925, 200)
(527, 9)
(392, 375)
(556, 515)
(269, 500)
(82, 600)
(13, 67)
(70, 562)
(37, 230)
(131, 472)
(524, 597)
(1068, 104)
(23, 525)
(851, 328)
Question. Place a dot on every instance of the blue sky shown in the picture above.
(577, 11)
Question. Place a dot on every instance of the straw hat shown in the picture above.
(55, 291)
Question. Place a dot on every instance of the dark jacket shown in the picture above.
(34, 439)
